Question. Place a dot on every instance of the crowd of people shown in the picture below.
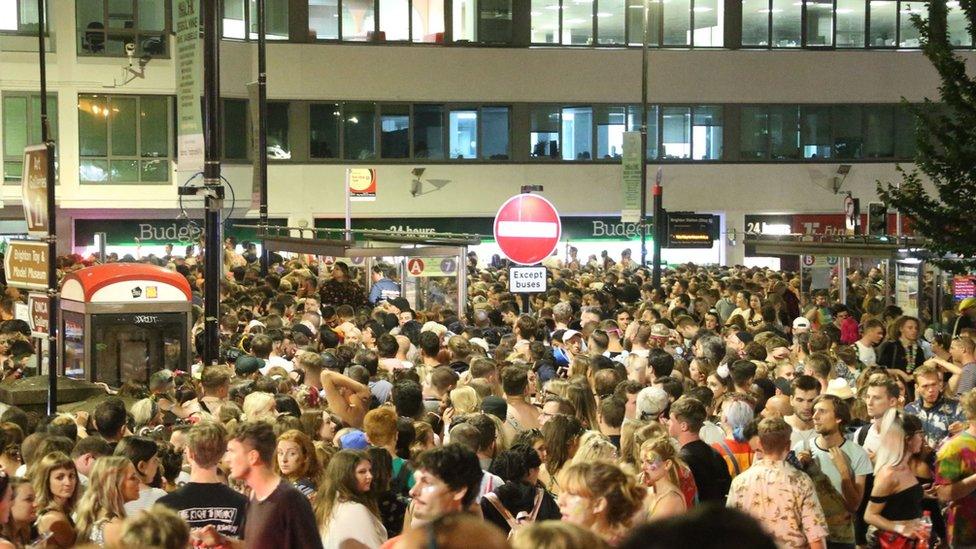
(722, 408)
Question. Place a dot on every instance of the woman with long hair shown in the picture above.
(345, 509)
(19, 528)
(699, 370)
(144, 454)
(392, 506)
(660, 466)
(101, 511)
(895, 504)
(920, 460)
(580, 395)
(601, 497)
(6, 499)
(595, 446)
(561, 435)
(56, 492)
(297, 462)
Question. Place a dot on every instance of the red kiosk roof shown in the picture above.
(97, 277)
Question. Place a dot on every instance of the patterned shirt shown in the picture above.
(955, 461)
(937, 419)
(782, 498)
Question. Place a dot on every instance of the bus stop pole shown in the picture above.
(52, 237)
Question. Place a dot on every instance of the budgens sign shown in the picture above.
(157, 232)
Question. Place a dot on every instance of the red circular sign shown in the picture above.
(527, 228)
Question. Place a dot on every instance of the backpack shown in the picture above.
(517, 522)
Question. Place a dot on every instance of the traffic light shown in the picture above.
(877, 219)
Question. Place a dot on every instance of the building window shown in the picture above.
(956, 25)
(397, 20)
(815, 136)
(359, 133)
(428, 132)
(769, 132)
(494, 133)
(484, 21)
(544, 131)
(124, 138)
(240, 19)
(819, 22)
(20, 16)
(323, 130)
(395, 131)
(611, 123)
(884, 23)
(22, 127)
(323, 19)
(848, 132)
(106, 27)
(634, 125)
(850, 23)
(706, 133)
(279, 148)
(879, 131)
(462, 131)
(697, 23)
(577, 137)
(235, 129)
(675, 133)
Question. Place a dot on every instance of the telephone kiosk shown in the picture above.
(121, 322)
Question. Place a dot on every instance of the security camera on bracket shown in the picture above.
(416, 184)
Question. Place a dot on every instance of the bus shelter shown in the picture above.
(429, 267)
(911, 283)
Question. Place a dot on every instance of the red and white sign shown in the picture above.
(527, 228)
(415, 266)
(361, 183)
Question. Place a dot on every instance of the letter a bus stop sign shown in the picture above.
(527, 228)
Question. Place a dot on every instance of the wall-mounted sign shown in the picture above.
(691, 230)
(361, 183)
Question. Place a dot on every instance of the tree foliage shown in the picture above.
(945, 138)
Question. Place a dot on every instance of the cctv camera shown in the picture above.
(130, 49)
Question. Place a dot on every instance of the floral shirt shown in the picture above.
(937, 419)
(782, 498)
(955, 461)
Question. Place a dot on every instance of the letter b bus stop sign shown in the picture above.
(527, 228)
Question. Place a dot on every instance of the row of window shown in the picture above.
(130, 138)
(367, 131)
(105, 27)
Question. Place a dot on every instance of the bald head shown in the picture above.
(777, 406)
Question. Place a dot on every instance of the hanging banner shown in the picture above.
(33, 189)
(189, 89)
(361, 183)
(631, 164)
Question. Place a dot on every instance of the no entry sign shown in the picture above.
(527, 228)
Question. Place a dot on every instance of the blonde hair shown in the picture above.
(602, 479)
(41, 481)
(143, 412)
(594, 446)
(553, 534)
(259, 406)
(662, 449)
(103, 499)
(465, 401)
(158, 527)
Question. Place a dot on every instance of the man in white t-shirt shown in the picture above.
(872, 332)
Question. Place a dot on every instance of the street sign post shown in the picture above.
(26, 264)
(527, 228)
(33, 189)
(38, 314)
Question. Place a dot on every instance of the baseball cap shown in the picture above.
(801, 323)
(246, 365)
(353, 440)
(651, 401)
(660, 330)
(569, 334)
